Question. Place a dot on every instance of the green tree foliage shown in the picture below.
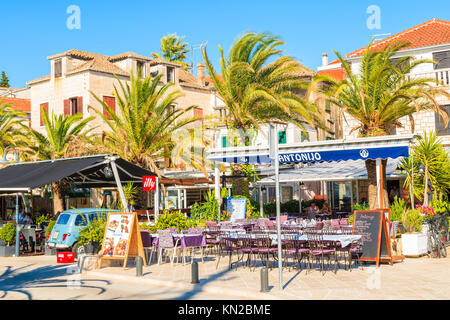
(174, 49)
(93, 232)
(4, 82)
(142, 129)
(379, 94)
(11, 132)
(8, 233)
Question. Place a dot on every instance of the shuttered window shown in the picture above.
(45, 107)
(198, 112)
(441, 128)
(110, 102)
(442, 58)
(281, 137)
(58, 68)
(73, 106)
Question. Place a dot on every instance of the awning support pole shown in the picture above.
(119, 185)
(261, 202)
(17, 226)
(156, 207)
(300, 197)
(379, 170)
(217, 186)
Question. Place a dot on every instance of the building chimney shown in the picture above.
(324, 59)
(201, 73)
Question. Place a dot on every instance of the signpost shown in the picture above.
(273, 154)
(375, 235)
(122, 239)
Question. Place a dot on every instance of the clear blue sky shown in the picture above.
(33, 30)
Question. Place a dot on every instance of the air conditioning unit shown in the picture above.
(154, 71)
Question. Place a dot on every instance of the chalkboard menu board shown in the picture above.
(375, 237)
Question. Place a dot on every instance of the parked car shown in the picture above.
(69, 224)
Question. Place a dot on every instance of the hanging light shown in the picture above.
(108, 171)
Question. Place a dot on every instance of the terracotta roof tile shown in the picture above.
(45, 78)
(430, 33)
(128, 54)
(17, 103)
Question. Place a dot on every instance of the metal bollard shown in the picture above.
(139, 266)
(194, 266)
(264, 280)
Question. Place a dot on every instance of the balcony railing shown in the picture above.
(442, 76)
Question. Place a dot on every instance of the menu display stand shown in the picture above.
(122, 239)
(373, 227)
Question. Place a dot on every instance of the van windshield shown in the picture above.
(63, 219)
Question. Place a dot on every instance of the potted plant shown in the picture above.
(48, 231)
(414, 242)
(91, 236)
(8, 238)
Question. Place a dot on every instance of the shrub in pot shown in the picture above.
(413, 241)
(48, 231)
(8, 237)
(91, 236)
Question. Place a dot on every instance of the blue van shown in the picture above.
(67, 228)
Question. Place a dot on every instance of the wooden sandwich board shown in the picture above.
(122, 239)
(388, 214)
(376, 241)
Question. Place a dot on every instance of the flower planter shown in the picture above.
(414, 244)
(7, 251)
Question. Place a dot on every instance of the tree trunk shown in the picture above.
(371, 166)
(58, 197)
(240, 185)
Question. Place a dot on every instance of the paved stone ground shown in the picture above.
(414, 278)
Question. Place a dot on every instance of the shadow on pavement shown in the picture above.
(20, 280)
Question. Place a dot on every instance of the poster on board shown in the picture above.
(122, 238)
(236, 208)
(117, 234)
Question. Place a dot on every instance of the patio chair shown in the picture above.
(343, 222)
(293, 248)
(264, 245)
(227, 246)
(319, 249)
(270, 225)
(147, 244)
(283, 219)
(211, 225)
(335, 224)
(166, 243)
(248, 246)
(29, 238)
(319, 225)
(173, 230)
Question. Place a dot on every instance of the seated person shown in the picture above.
(27, 219)
(312, 210)
(326, 209)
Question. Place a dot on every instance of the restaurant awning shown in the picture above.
(85, 172)
(320, 151)
(325, 171)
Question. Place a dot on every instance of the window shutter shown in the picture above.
(198, 112)
(79, 104)
(45, 106)
(111, 102)
(66, 107)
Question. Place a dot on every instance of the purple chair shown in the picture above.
(195, 231)
(146, 243)
(335, 224)
(283, 219)
(343, 222)
(318, 225)
(270, 225)
(319, 249)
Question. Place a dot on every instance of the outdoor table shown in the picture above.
(186, 240)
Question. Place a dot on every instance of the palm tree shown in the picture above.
(435, 164)
(141, 130)
(381, 94)
(10, 125)
(257, 92)
(60, 132)
(173, 49)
